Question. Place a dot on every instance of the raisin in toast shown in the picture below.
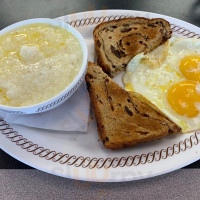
(124, 118)
(117, 41)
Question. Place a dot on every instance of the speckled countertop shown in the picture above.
(33, 184)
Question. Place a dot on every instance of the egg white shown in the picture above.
(154, 73)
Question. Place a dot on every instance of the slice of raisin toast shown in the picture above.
(117, 41)
(124, 118)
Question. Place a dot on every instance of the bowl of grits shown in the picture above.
(42, 63)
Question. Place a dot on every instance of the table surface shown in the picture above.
(14, 11)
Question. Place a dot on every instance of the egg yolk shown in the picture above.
(190, 67)
(129, 87)
(184, 97)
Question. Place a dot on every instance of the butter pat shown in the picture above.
(30, 53)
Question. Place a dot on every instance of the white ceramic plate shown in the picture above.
(81, 155)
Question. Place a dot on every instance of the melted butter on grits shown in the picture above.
(37, 62)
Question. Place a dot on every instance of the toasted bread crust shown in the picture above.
(117, 41)
(123, 118)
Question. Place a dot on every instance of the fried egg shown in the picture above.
(169, 77)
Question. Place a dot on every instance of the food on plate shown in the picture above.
(37, 62)
(124, 118)
(169, 77)
(117, 41)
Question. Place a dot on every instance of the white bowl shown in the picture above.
(70, 89)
